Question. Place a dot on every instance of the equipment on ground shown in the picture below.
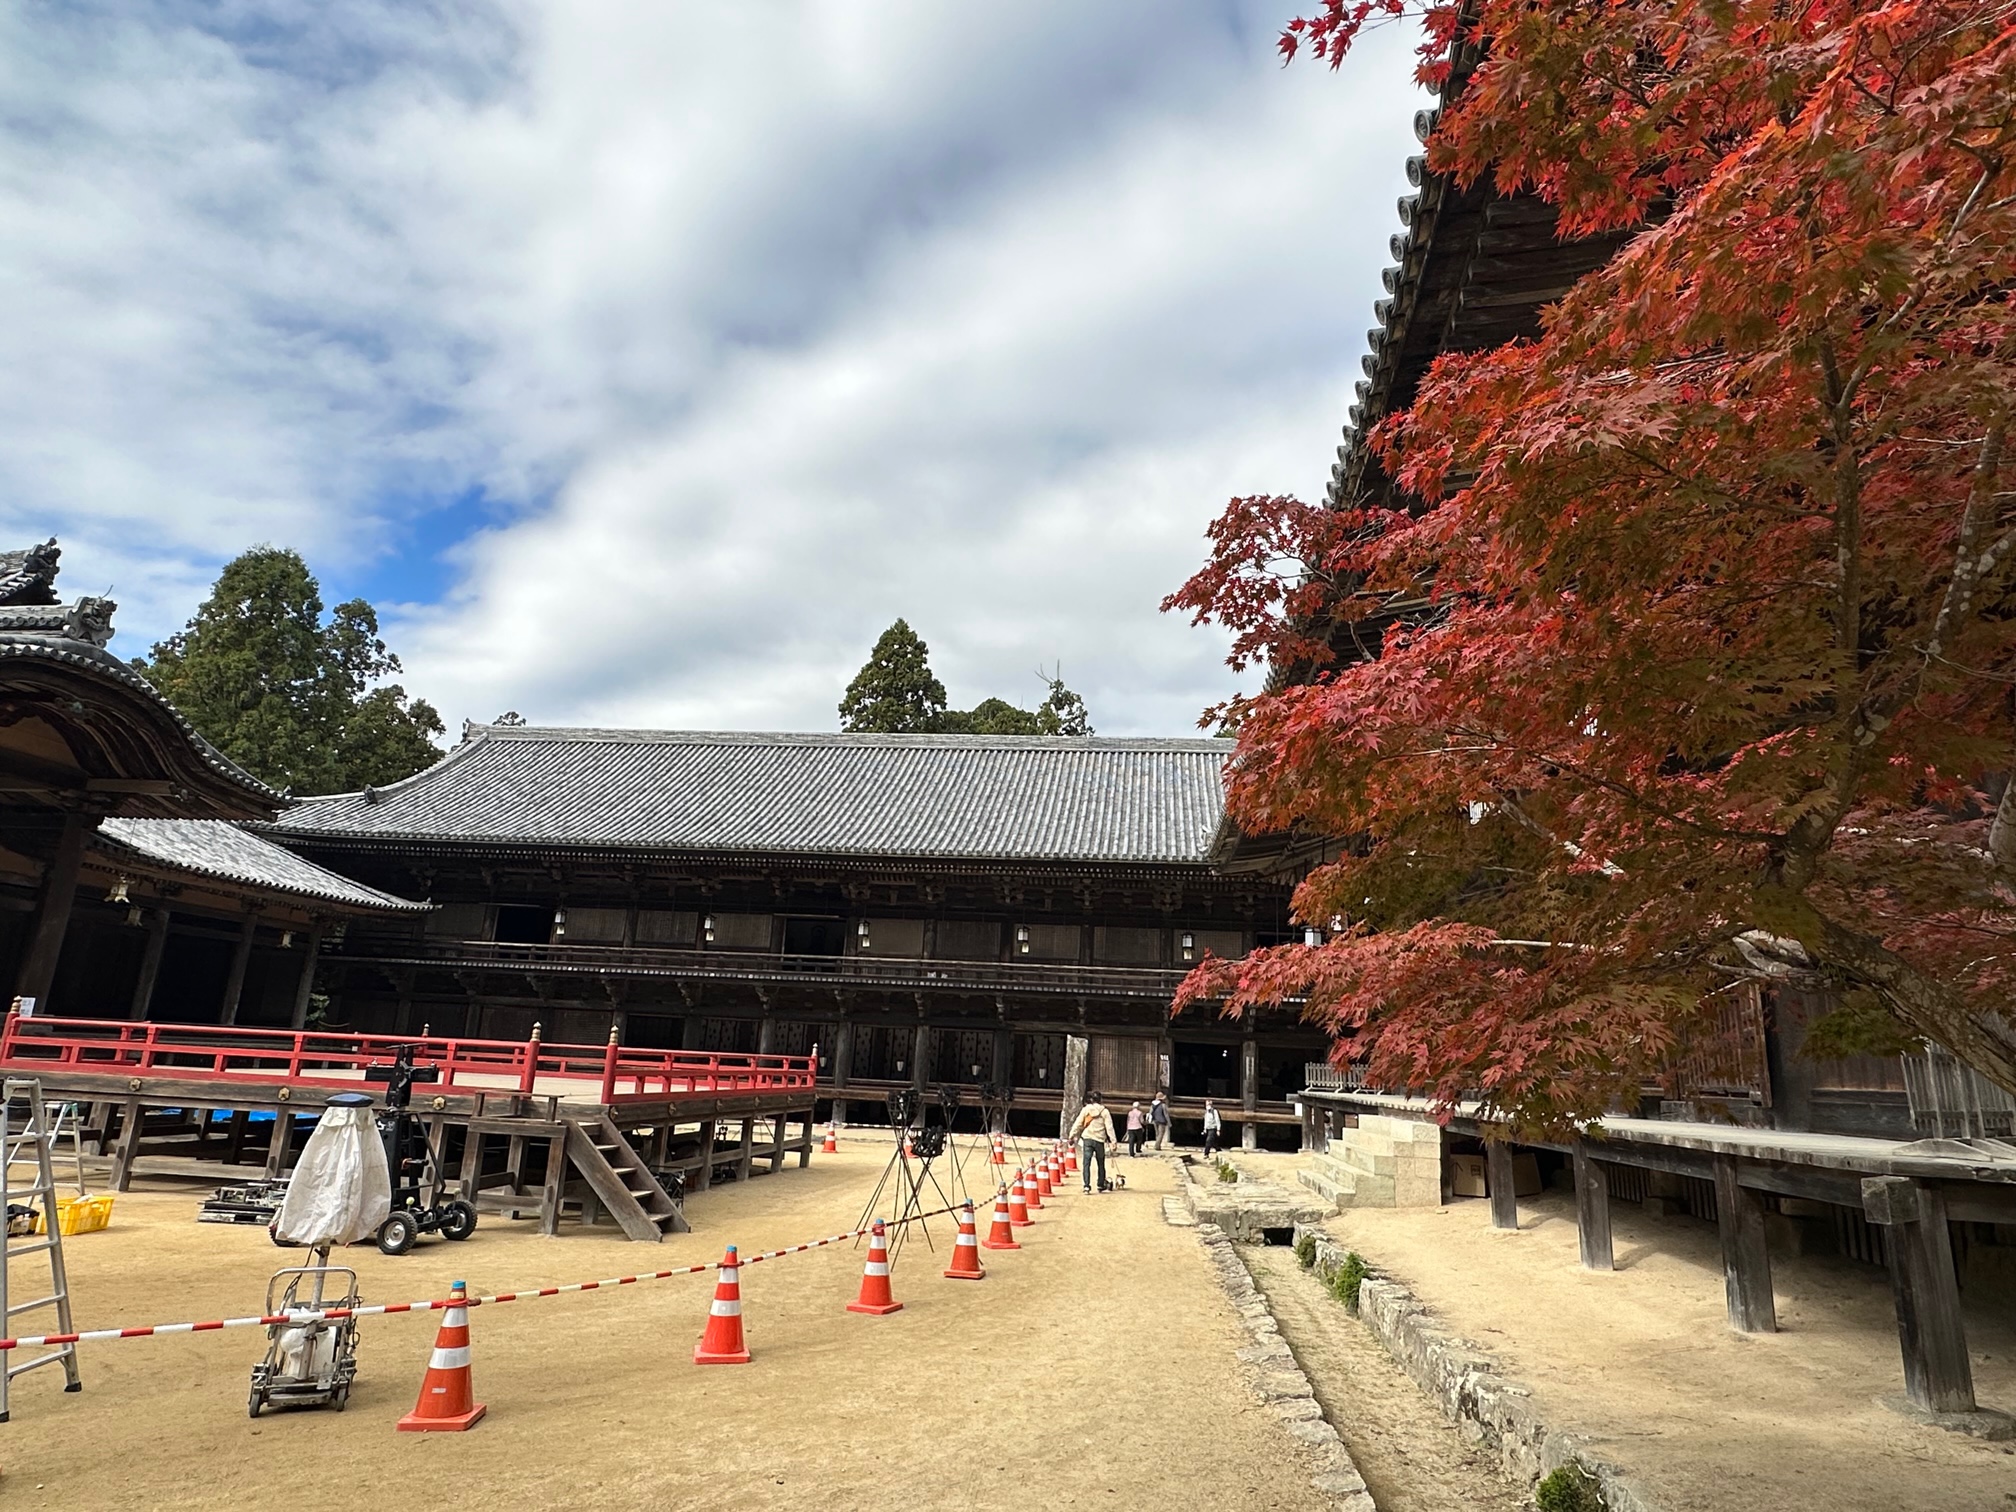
(26, 1138)
(341, 1193)
(417, 1207)
(249, 1202)
(310, 1360)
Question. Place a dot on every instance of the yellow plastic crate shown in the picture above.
(80, 1215)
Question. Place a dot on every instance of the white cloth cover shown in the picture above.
(341, 1190)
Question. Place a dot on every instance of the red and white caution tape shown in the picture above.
(383, 1309)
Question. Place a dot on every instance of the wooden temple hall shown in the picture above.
(943, 913)
(165, 958)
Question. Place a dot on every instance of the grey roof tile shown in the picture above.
(217, 848)
(952, 796)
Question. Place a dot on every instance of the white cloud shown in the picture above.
(757, 327)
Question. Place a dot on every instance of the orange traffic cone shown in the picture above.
(832, 1145)
(1053, 1173)
(1032, 1186)
(1070, 1160)
(1018, 1201)
(1000, 1151)
(966, 1250)
(447, 1395)
(1002, 1235)
(876, 1297)
(722, 1343)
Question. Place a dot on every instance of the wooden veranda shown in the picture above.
(611, 1128)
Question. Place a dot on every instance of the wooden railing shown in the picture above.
(753, 965)
(199, 1052)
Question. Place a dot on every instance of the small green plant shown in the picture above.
(1227, 1171)
(1347, 1278)
(1305, 1250)
(1569, 1489)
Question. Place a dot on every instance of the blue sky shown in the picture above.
(643, 362)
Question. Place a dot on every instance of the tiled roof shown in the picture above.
(215, 848)
(980, 797)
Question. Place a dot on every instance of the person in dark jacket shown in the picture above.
(1158, 1121)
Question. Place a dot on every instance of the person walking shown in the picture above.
(1158, 1120)
(1214, 1127)
(1137, 1130)
(1093, 1129)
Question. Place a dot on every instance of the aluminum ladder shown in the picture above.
(27, 1143)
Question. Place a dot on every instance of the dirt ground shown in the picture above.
(1643, 1362)
(1092, 1368)
(1411, 1456)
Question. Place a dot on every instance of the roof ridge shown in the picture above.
(617, 734)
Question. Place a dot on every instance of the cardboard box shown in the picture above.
(1466, 1175)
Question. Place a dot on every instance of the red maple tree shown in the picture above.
(1690, 659)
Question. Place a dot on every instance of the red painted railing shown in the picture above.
(209, 1052)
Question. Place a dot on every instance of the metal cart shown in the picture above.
(310, 1361)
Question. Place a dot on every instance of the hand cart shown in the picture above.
(310, 1361)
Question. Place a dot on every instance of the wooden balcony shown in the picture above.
(901, 974)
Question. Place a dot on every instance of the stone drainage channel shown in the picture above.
(1429, 1423)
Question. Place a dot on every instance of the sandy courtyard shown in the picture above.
(1643, 1362)
(1092, 1368)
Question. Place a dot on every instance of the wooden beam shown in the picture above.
(52, 918)
(555, 1185)
(234, 984)
(1249, 1092)
(150, 963)
(1746, 1262)
(1501, 1185)
(1937, 1373)
(1592, 1210)
(305, 987)
(128, 1145)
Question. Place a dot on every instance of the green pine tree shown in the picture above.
(895, 693)
(297, 701)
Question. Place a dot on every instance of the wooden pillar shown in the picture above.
(234, 1143)
(234, 984)
(920, 1056)
(843, 1067)
(472, 1165)
(805, 1149)
(766, 1034)
(1249, 1092)
(52, 918)
(555, 1185)
(1592, 1210)
(304, 988)
(1746, 1263)
(1077, 1051)
(780, 1124)
(748, 1149)
(1501, 1184)
(150, 963)
(1937, 1373)
(1004, 1060)
(278, 1144)
(704, 1177)
(128, 1145)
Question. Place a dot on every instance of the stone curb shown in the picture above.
(1467, 1384)
(1273, 1373)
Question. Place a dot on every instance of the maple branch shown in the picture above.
(1608, 868)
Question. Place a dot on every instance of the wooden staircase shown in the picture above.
(618, 1177)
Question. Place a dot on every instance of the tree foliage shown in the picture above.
(1694, 661)
(897, 693)
(298, 700)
